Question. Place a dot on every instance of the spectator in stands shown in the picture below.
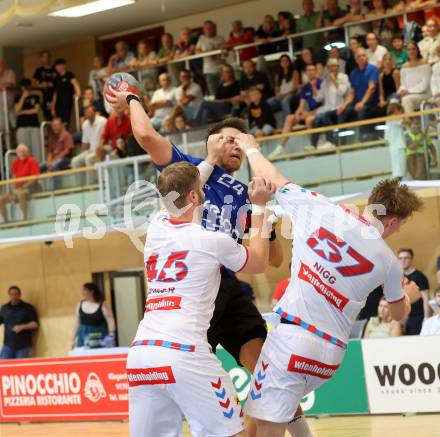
(88, 99)
(328, 16)
(395, 135)
(7, 82)
(94, 317)
(44, 79)
(265, 33)
(66, 89)
(420, 308)
(186, 45)
(334, 53)
(286, 23)
(384, 29)
(389, 81)
(163, 101)
(286, 86)
(97, 76)
(60, 147)
(189, 95)
(425, 37)
(228, 96)
(260, 115)
(415, 79)
(399, 52)
(208, 42)
(167, 52)
(22, 166)
(307, 58)
(428, 47)
(383, 325)
(180, 123)
(332, 93)
(92, 129)
(252, 77)
(375, 51)
(355, 14)
(120, 60)
(353, 44)
(435, 81)
(27, 108)
(431, 326)
(306, 22)
(146, 61)
(20, 319)
(239, 36)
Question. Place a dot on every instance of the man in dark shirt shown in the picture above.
(260, 115)
(251, 77)
(43, 79)
(419, 309)
(19, 318)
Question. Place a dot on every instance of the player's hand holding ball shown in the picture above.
(260, 191)
(116, 89)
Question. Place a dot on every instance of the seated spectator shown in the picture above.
(306, 22)
(428, 48)
(44, 80)
(180, 123)
(121, 59)
(22, 166)
(375, 52)
(415, 79)
(265, 33)
(333, 91)
(399, 52)
(327, 17)
(306, 110)
(88, 99)
(212, 65)
(92, 129)
(167, 52)
(60, 148)
(27, 108)
(97, 76)
(260, 116)
(334, 53)
(431, 326)
(420, 308)
(389, 81)
(238, 36)
(286, 85)
(146, 61)
(94, 317)
(383, 325)
(355, 15)
(425, 37)
(307, 58)
(20, 319)
(66, 89)
(353, 44)
(186, 45)
(228, 96)
(384, 29)
(189, 95)
(395, 136)
(163, 101)
(435, 81)
(252, 77)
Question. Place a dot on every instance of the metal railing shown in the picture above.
(77, 117)
(8, 154)
(43, 139)
(2, 154)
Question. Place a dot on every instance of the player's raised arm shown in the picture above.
(157, 146)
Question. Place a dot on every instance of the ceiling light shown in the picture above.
(338, 45)
(91, 8)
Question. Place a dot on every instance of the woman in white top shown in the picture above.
(415, 79)
(435, 80)
(428, 46)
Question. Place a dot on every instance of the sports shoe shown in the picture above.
(279, 150)
(327, 146)
(309, 148)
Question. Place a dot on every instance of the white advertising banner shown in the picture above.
(403, 374)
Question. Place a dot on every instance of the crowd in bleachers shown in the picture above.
(390, 65)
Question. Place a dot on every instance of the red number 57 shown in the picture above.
(174, 260)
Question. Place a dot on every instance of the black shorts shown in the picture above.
(236, 319)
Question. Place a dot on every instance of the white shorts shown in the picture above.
(165, 384)
(293, 362)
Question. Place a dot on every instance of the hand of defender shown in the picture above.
(412, 290)
(246, 141)
(117, 99)
(260, 191)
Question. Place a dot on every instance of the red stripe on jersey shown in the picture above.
(247, 259)
(178, 222)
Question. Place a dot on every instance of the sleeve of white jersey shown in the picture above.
(229, 253)
(392, 287)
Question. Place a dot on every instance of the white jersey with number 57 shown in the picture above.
(338, 259)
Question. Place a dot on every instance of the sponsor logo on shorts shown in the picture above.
(163, 304)
(151, 376)
(331, 295)
(307, 366)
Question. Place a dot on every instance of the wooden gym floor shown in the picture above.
(427, 425)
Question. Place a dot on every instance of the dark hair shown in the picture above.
(233, 122)
(301, 64)
(288, 16)
(60, 61)
(394, 107)
(408, 250)
(25, 82)
(14, 287)
(398, 36)
(45, 52)
(96, 292)
(289, 74)
(185, 70)
(413, 43)
(230, 68)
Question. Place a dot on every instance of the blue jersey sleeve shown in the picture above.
(178, 156)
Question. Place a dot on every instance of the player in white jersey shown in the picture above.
(171, 368)
(338, 259)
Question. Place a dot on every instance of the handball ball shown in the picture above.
(123, 82)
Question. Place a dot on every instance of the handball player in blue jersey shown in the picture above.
(236, 324)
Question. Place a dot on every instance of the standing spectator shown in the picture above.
(389, 81)
(163, 101)
(265, 33)
(395, 136)
(44, 79)
(355, 15)
(92, 130)
(353, 44)
(252, 77)
(207, 42)
(146, 62)
(7, 82)
(167, 52)
(228, 96)
(431, 326)
(22, 166)
(260, 116)
(382, 326)
(428, 47)
(399, 52)
(189, 95)
(27, 107)
(415, 79)
(60, 147)
(121, 59)
(327, 18)
(97, 76)
(66, 89)
(186, 45)
(287, 26)
(384, 29)
(420, 308)
(375, 52)
(20, 319)
(308, 21)
(94, 317)
(239, 36)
